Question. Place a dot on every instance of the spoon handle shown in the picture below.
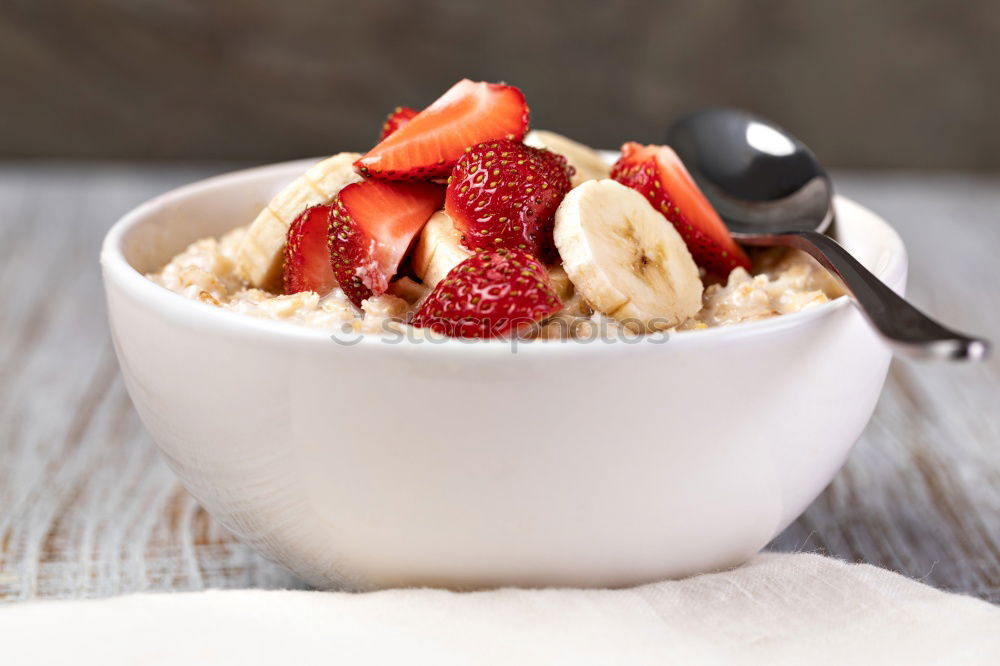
(909, 331)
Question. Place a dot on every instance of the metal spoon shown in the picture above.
(771, 191)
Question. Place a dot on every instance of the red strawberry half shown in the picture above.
(372, 225)
(657, 173)
(397, 119)
(428, 146)
(505, 194)
(307, 253)
(489, 295)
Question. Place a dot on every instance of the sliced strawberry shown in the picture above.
(428, 146)
(396, 119)
(505, 194)
(657, 173)
(307, 253)
(372, 225)
(491, 294)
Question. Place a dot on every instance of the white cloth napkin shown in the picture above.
(777, 609)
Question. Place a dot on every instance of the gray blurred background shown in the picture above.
(892, 83)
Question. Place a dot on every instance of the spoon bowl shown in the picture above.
(758, 177)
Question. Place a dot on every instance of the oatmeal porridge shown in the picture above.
(788, 281)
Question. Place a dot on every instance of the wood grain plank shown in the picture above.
(921, 492)
(87, 508)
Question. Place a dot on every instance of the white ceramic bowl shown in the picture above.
(464, 465)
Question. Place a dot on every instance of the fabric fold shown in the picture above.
(776, 609)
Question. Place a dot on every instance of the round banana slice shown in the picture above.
(259, 257)
(625, 258)
(439, 249)
(588, 162)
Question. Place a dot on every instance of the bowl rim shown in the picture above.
(118, 270)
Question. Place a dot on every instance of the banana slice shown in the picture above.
(625, 259)
(438, 250)
(588, 162)
(259, 256)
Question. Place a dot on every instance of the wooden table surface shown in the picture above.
(87, 507)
